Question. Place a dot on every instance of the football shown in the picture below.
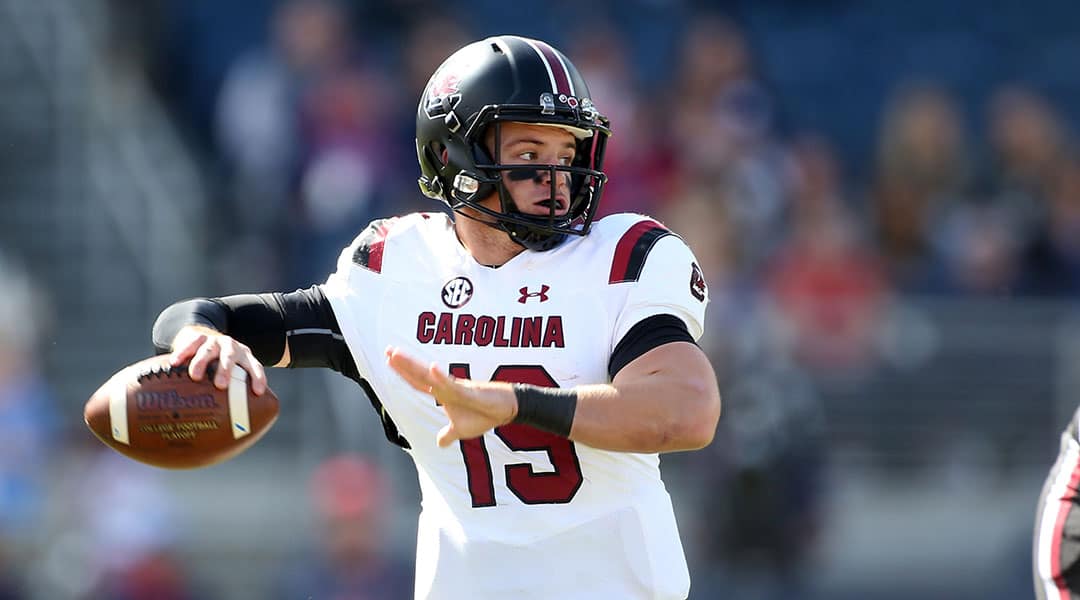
(156, 414)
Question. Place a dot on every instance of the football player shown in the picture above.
(531, 361)
(1056, 549)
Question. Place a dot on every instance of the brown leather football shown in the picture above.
(157, 415)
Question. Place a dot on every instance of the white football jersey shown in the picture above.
(520, 513)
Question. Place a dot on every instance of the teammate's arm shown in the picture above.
(252, 330)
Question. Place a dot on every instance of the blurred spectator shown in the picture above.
(10, 587)
(1027, 184)
(978, 252)
(652, 30)
(825, 284)
(432, 36)
(1027, 144)
(131, 534)
(384, 24)
(631, 160)
(343, 167)
(349, 495)
(722, 136)
(258, 132)
(716, 91)
(256, 117)
(301, 126)
(922, 166)
(703, 222)
(715, 55)
(762, 480)
(980, 241)
(27, 421)
(1052, 261)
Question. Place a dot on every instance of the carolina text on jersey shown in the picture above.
(468, 329)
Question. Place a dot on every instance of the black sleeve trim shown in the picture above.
(263, 322)
(645, 335)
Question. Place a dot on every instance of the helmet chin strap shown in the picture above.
(521, 234)
(491, 224)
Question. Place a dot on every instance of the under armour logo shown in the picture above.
(526, 294)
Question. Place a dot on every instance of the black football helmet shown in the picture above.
(509, 78)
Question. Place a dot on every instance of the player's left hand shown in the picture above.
(473, 407)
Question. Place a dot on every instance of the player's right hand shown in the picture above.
(202, 346)
(472, 407)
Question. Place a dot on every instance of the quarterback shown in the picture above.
(532, 362)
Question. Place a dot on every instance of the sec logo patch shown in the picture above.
(457, 292)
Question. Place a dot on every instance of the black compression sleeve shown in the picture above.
(645, 335)
(256, 320)
(196, 311)
(263, 322)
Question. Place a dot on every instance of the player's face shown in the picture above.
(541, 145)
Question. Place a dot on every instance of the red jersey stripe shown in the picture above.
(632, 250)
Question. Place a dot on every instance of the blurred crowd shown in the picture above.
(302, 114)
(309, 134)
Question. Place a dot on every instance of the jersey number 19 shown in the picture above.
(555, 487)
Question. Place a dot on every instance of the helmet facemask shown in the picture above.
(478, 89)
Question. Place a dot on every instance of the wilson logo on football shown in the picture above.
(171, 400)
(526, 294)
(457, 292)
